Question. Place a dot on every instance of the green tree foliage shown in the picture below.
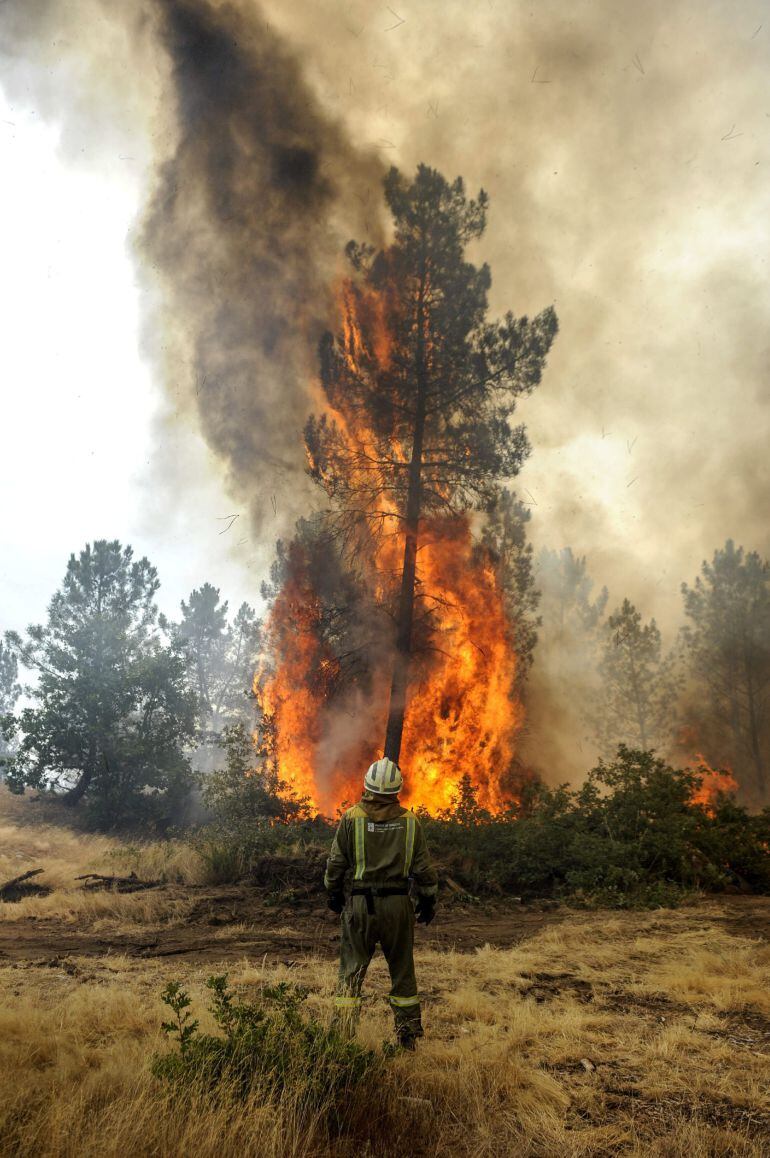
(203, 629)
(637, 698)
(249, 805)
(10, 690)
(505, 537)
(465, 808)
(727, 644)
(438, 404)
(223, 656)
(113, 712)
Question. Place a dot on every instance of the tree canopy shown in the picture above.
(637, 698)
(223, 656)
(113, 714)
(504, 536)
(567, 588)
(10, 690)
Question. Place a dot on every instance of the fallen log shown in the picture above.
(129, 884)
(16, 888)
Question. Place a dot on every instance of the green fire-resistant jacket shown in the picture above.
(383, 844)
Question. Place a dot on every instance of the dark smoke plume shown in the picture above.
(253, 189)
(245, 232)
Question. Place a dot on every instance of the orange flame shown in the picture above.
(463, 712)
(462, 719)
(290, 694)
(714, 782)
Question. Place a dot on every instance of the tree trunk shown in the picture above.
(400, 681)
(78, 790)
(398, 687)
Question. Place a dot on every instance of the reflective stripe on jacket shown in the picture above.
(383, 844)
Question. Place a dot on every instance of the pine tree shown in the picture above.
(433, 382)
(10, 690)
(113, 714)
(567, 607)
(637, 698)
(728, 648)
(223, 656)
(505, 537)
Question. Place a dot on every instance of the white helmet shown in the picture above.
(383, 776)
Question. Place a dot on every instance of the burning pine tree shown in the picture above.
(414, 441)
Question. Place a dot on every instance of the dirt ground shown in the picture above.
(233, 922)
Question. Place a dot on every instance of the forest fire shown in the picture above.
(464, 716)
(292, 696)
(463, 712)
(715, 782)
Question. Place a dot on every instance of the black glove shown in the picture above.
(336, 902)
(426, 910)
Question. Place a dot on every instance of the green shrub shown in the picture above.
(628, 836)
(271, 1045)
(223, 859)
(248, 790)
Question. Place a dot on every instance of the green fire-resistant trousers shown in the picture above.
(392, 926)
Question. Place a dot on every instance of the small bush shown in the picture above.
(255, 818)
(270, 1045)
(223, 861)
(248, 790)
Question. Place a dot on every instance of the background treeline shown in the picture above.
(125, 707)
(612, 680)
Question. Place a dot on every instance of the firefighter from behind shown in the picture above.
(382, 845)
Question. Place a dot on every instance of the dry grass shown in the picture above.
(654, 1011)
(670, 1011)
(66, 853)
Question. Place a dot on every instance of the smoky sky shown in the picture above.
(625, 151)
(244, 233)
(252, 190)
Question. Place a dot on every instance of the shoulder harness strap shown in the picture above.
(359, 836)
(410, 830)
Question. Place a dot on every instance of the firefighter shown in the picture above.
(383, 845)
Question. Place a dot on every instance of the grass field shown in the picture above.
(588, 1034)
